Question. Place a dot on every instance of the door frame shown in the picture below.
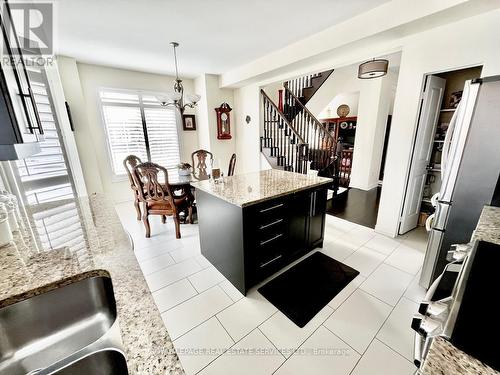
(417, 128)
(420, 131)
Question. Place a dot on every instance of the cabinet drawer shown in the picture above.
(268, 212)
(267, 230)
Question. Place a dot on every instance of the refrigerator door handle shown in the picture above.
(434, 200)
(448, 140)
(428, 222)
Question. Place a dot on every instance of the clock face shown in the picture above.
(224, 116)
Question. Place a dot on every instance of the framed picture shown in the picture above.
(188, 122)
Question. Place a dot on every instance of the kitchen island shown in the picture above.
(252, 225)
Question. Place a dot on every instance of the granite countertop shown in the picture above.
(70, 240)
(488, 227)
(444, 358)
(250, 188)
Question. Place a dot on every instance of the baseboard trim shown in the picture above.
(385, 231)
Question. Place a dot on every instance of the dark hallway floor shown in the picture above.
(357, 206)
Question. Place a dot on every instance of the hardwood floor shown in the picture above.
(357, 206)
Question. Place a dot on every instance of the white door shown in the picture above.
(429, 115)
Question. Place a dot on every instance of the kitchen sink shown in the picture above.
(60, 326)
(103, 362)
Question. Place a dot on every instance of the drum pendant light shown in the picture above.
(373, 69)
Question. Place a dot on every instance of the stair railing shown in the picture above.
(297, 85)
(286, 144)
(322, 145)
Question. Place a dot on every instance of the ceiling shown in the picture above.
(214, 35)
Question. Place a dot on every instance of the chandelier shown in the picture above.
(176, 98)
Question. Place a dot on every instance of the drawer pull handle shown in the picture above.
(271, 239)
(269, 262)
(271, 224)
(271, 208)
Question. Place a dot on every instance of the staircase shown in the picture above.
(283, 147)
(293, 138)
(305, 87)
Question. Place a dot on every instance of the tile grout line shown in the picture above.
(272, 343)
(231, 337)
(173, 282)
(224, 352)
(189, 330)
(307, 338)
(394, 350)
(343, 340)
(161, 269)
(321, 324)
(191, 283)
(227, 294)
(236, 342)
(378, 331)
(177, 304)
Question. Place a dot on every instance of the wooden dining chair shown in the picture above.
(130, 162)
(158, 198)
(232, 165)
(200, 166)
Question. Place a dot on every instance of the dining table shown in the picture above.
(176, 179)
(182, 182)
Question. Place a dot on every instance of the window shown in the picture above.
(46, 176)
(137, 124)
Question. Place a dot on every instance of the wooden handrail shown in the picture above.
(304, 108)
(283, 117)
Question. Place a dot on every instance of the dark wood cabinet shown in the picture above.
(262, 238)
(316, 224)
(20, 121)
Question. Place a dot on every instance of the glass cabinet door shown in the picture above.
(24, 114)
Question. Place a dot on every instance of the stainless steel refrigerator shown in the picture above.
(470, 168)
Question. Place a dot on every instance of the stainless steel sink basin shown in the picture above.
(104, 362)
(45, 329)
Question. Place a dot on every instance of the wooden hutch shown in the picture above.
(343, 129)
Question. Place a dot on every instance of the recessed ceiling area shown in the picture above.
(214, 35)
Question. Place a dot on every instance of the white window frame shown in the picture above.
(123, 177)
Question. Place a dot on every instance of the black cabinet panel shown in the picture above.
(317, 217)
(299, 224)
(265, 237)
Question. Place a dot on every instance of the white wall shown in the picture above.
(67, 134)
(467, 42)
(207, 86)
(73, 94)
(81, 83)
(247, 102)
(470, 42)
(357, 38)
(349, 98)
(371, 100)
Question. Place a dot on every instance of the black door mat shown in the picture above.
(303, 290)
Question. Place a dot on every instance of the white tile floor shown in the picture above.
(364, 330)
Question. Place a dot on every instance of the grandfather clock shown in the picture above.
(223, 121)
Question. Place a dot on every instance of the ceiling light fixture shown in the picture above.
(176, 98)
(373, 69)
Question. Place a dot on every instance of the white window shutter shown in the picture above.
(137, 125)
(162, 136)
(125, 135)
